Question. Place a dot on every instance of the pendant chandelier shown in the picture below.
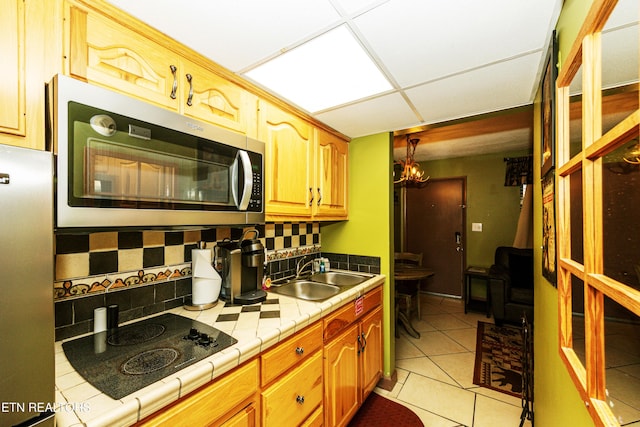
(412, 172)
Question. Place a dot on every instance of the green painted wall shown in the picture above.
(369, 230)
(557, 402)
(488, 201)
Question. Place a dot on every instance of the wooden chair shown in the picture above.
(407, 290)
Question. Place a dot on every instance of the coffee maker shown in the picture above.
(241, 265)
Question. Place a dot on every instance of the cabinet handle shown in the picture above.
(190, 97)
(360, 347)
(319, 196)
(174, 88)
(311, 194)
(299, 350)
(364, 340)
(300, 399)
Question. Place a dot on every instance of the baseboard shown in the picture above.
(387, 383)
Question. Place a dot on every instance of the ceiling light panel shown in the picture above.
(330, 70)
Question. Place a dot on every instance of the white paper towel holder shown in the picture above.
(189, 305)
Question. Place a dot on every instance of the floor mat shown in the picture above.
(498, 364)
(378, 411)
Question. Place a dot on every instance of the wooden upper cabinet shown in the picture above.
(332, 168)
(306, 168)
(205, 96)
(12, 76)
(108, 54)
(288, 163)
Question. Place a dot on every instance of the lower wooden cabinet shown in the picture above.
(341, 378)
(371, 353)
(352, 357)
(230, 400)
(247, 417)
(292, 399)
(319, 376)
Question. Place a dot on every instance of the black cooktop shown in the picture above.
(131, 357)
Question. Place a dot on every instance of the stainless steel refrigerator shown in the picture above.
(27, 379)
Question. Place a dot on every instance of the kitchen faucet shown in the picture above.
(300, 268)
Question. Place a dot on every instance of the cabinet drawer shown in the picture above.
(210, 402)
(296, 396)
(340, 319)
(315, 420)
(291, 351)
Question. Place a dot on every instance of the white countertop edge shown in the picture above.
(150, 399)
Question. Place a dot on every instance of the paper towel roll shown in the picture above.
(99, 319)
(206, 281)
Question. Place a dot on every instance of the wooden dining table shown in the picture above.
(409, 272)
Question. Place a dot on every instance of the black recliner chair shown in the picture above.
(511, 285)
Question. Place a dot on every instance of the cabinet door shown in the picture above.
(247, 417)
(371, 355)
(332, 167)
(12, 42)
(288, 160)
(208, 97)
(342, 394)
(109, 54)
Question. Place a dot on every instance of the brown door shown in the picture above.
(434, 226)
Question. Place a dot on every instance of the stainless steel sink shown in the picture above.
(319, 286)
(338, 278)
(307, 290)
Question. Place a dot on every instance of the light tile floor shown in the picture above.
(435, 372)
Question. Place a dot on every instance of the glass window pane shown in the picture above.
(622, 359)
(575, 114)
(620, 213)
(620, 64)
(576, 216)
(577, 317)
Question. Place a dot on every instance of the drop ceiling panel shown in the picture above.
(440, 38)
(356, 6)
(504, 85)
(500, 142)
(238, 33)
(382, 114)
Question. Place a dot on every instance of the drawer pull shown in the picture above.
(299, 350)
(190, 97)
(300, 399)
(312, 197)
(173, 69)
(362, 343)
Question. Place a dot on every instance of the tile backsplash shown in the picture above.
(147, 272)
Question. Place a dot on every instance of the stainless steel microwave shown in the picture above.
(122, 162)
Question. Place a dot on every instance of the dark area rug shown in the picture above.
(378, 411)
(498, 364)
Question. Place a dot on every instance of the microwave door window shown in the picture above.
(207, 183)
(124, 175)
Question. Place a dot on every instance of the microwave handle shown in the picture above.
(247, 180)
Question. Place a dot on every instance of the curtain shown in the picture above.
(519, 171)
(524, 233)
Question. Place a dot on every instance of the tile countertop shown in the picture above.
(79, 403)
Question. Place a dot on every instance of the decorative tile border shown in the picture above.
(106, 283)
(292, 252)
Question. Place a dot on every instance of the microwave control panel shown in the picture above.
(256, 200)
